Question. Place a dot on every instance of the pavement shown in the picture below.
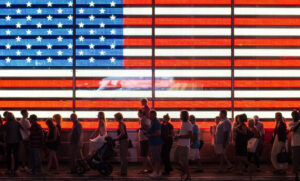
(209, 174)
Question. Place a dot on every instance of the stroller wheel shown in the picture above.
(105, 169)
(80, 169)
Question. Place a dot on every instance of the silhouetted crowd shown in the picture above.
(25, 138)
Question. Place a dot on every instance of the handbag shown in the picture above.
(252, 145)
(283, 156)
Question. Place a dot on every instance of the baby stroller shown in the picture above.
(99, 160)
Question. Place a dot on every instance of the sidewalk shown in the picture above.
(210, 173)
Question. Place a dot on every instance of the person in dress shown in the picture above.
(279, 139)
(167, 133)
(98, 137)
(260, 128)
(254, 133)
(51, 142)
(195, 144)
(24, 144)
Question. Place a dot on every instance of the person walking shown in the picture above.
(167, 133)
(295, 142)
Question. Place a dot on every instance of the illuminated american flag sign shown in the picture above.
(200, 55)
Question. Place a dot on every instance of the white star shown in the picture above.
(18, 11)
(70, 46)
(18, 25)
(8, 4)
(92, 46)
(28, 59)
(8, 60)
(102, 11)
(39, 25)
(112, 59)
(49, 46)
(70, 4)
(70, 17)
(28, 46)
(81, 38)
(39, 53)
(81, 52)
(18, 38)
(59, 25)
(18, 53)
(8, 46)
(70, 59)
(112, 17)
(8, 18)
(28, 18)
(92, 18)
(8, 32)
(112, 4)
(70, 32)
(112, 32)
(39, 11)
(102, 52)
(49, 32)
(49, 4)
(29, 4)
(59, 38)
(92, 4)
(92, 59)
(81, 25)
(81, 11)
(28, 32)
(112, 46)
(92, 32)
(49, 59)
(49, 18)
(59, 11)
(102, 25)
(102, 38)
(59, 53)
(39, 38)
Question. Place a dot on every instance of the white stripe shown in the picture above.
(160, 114)
(112, 94)
(113, 73)
(266, 11)
(43, 114)
(137, 52)
(137, 11)
(192, 31)
(192, 73)
(267, 31)
(36, 73)
(192, 52)
(264, 114)
(267, 73)
(192, 11)
(36, 93)
(266, 52)
(267, 94)
(193, 94)
(137, 31)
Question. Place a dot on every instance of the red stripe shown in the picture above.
(192, 21)
(267, 21)
(267, 83)
(192, 42)
(181, 104)
(193, 63)
(109, 104)
(36, 84)
(280, 42)
(135, 2)
(113, 84)
(193, 84)
(137, 21)
(8, 104)
(267, 63)
(137, 42)
(271, 104)
(137, 62)
(193, 2)
(267, 2)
